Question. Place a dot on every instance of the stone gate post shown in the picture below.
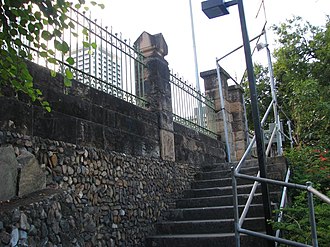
(157, 88)
(233, 105)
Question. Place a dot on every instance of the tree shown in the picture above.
(26, 20)
(302, 70)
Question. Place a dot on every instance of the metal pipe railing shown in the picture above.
(282, 203)
(270, 142)
(248, 202)
(249, 148)
(272, 238)
(245, 155)
(308, 187)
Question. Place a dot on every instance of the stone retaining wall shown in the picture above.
(194, 147)
(92, 197)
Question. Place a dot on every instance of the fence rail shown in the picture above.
(191, 107)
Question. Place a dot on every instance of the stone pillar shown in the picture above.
(212, 90)
(157, 88)
(235, 98)
(234, 111)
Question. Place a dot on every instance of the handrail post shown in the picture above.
(312, 215)
(273, 91)
(290, 133)
(235, 204)
(223, 110)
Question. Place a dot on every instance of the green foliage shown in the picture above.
(308, 164)
(302, 71)
(23, 20)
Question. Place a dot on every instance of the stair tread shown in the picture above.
(217, 207)
(221, 188)
(217, 197)
(229, 170)
(203, 235)
(207, 221)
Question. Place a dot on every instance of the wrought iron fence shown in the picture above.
(102, 59)
(191, 107)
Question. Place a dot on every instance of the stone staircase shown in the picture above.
(204, 216)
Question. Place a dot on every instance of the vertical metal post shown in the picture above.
(312, 216)
(256, 120)
(246, 121)
(77, 52)
(290, 133)
(95, 57)
(274, 97)
(235, 202)
(200, 119)
(102, 52)
(89, 49)
(223, 110)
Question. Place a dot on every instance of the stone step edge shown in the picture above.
(218, 179)
(217, 197)
(206, 235)
(222, 187)
(218, 207)
(189, 236)
(205, 221)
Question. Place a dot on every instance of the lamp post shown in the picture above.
(200, 115)
(216, 8)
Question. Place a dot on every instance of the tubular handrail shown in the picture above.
(246, 153)
(282, 203)
(318, 194)
(308, 187)
(248, 150)
(271, 141)
(249, 201)
(267, 113)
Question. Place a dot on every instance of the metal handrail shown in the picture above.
(308, 187)
(283, 203)
(254, 187)
(270, 142)
(249, 201)
(248, 149)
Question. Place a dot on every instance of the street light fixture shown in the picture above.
(214, 8)
(217, 8)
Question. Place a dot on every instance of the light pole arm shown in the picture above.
(230, 3)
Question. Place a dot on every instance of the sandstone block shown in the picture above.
(8, 173)
(32, 177)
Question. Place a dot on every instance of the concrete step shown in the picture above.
(227, 166)
(225, 173)
(218, 191)
(207, 226)
(215, 201)
(203, 240)
(211, 183)
(209, 213)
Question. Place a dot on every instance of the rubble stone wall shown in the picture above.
(92, 197)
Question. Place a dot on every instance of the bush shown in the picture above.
(307, 164)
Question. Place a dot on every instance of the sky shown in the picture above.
(214, 38)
